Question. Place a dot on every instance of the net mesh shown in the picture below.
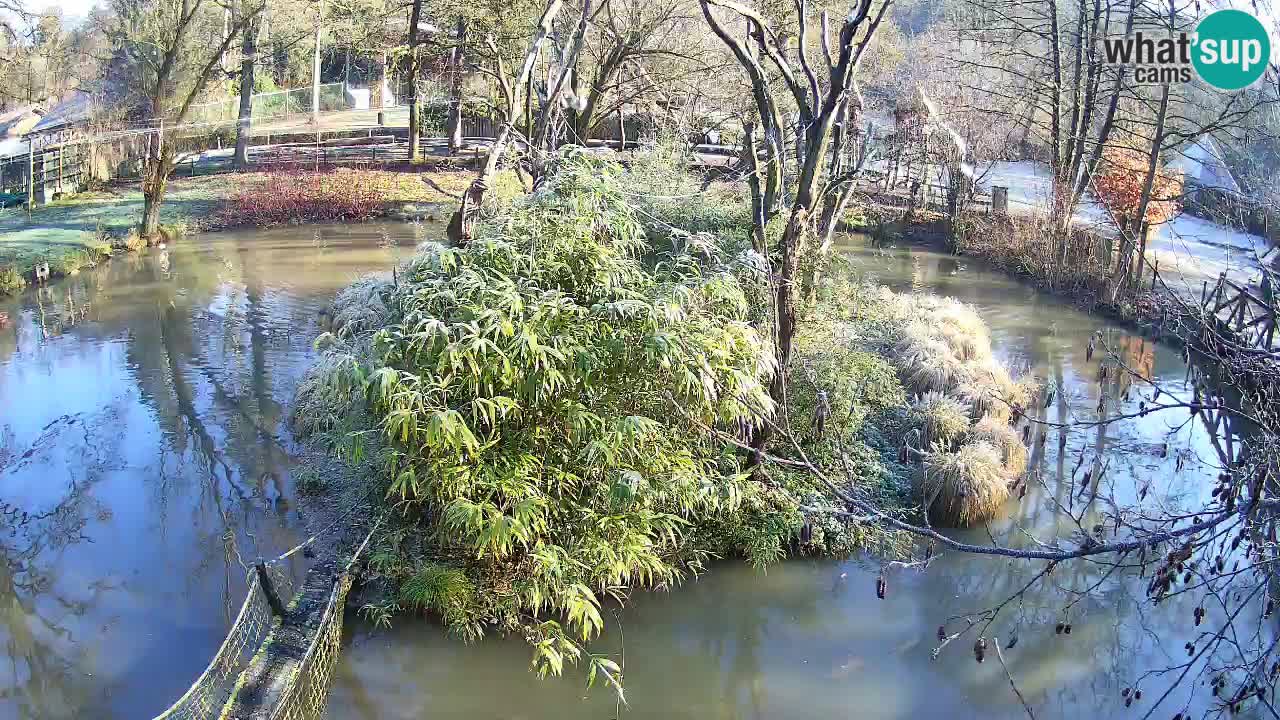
(307, 691)
(270, 106)
(211, 691)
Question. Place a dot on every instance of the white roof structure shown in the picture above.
(1201, 164)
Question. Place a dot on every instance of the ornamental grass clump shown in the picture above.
(943, 352)
(996, 430)
(549, 407)
(943, 419)
(964, 487)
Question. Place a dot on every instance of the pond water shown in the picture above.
(142, 430)
(809, 639)
(142, 408)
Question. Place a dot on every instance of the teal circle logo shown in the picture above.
(1232, 49)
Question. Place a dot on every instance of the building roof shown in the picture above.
(1201, 163)
(76, 109)
(19, 120)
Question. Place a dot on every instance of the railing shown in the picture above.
(1249, 318)
(306, 691)
(263, 641)
(207, 696)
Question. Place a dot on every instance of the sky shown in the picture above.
(70, 8)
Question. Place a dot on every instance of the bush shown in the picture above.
(1119, 183)
(545, 399)
(673, 202)
(99, 244)
(11, 281)
(298, 196)
(308, 481)
(1024, 245)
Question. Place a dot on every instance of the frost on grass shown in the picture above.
(967, 405)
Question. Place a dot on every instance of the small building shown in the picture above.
(1202, 166)
(41, 165)
(64, 120)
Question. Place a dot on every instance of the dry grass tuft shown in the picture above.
(964, 487)
(997, 431)
(944, 419)
(927, 364)
(943, 353)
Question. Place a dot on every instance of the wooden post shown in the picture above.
(999, 200)
(31, 176)
(622, 128)
(269, 590)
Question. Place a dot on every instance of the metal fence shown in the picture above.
(286, 104)
(39, 176)
(272, 106)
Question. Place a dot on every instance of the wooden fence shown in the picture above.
(1248, 318)
(43, 175)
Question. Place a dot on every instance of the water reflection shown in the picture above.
(142, 446)
(810, 640)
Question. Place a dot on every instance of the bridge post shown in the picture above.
(269, 589)
(999, 200)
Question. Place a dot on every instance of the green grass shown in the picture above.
(65, 233)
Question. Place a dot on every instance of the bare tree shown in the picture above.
(248, 61)
(457, 67)
(175, 46)
(462, 224)
(822, 100)
(661, 38)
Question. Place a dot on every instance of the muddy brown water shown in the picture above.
(142, 424)
(809, 638)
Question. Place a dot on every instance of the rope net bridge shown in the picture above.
(277, 661)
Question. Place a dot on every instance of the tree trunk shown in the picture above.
(152, 197)
(784, 298)
(455, 90)
(622, 127)
(758, 211)
(248, 53)
(1136, 235)
(415, 121)
(462, 224)
(837, 195)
